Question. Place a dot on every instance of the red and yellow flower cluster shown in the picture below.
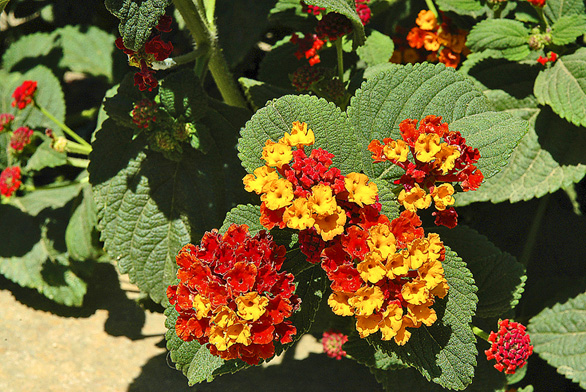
(430, 154)
(385, 273)
(435, 42)
(232, 295)
(510, 346)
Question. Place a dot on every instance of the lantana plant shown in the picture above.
(263, 170)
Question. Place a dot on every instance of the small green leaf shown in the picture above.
(244, 214)
(509, 37)
(347, 9)
(563, 87)
(36, 201)
(557, 336)
(473, 8)
(567, 29)
(311, 286)
(182, 95)
(328, 123)
(45, 156)
(137, 19)
(556, 9)
(81, 235)
(377, 49)
(259, 93)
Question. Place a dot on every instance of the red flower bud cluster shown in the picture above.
(427, 161)
(333, 26)
(305, 76)
(9, 180)
(6, 120)
(155, 49)
(311, 9)
(144, 113)
(363, 10)
(551, 58)
(307, 47)
(511, 346)
(20, 138)
(24, 94)
(232, 296)
(332, 343)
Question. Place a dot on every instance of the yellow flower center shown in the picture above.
(329, 226)
(442, 196)
(426, 146)
(371, 269)
(396, 149)
(251, 305)
(278, 194)
(415, 199)
(338, 301)
(366, 300)
(322, 200)
(276, 154)
(298, 215)
(261, 177)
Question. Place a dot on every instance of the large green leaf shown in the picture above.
(374, 357)
(31, 50)
(137, 19)
(45, 156)
(567, 29)
(348, 9)
(444, 353)
(377, 49)
(498, 275)
(81, 235)
(473, 8)
(563, 87)
(555, 9)
(248, 215)
(324, 118)
(53, 197)
(191, 103)
(557, 334)
(506, 36)
(259, 93)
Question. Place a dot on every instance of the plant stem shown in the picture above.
(534, 230)
(175, 61)
(432, 8)
(64, 127)
(76, 148)
(340, 56)
(204, 35)
(542, 17)
(78, 162)
(480, 333)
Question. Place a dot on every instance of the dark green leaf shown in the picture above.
(34, 202)
(373, 357)
(81, 235)
(45, 156)
(259, 93)
(509, 37)
(181, 95)
(347, 9)
(311, 286)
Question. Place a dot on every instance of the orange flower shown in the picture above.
(449, 58)
(426, 20)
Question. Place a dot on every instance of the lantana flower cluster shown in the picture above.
(332, 343)
(10, 181)
(232, 296)
(551, 58)
(155, 49)
(382, 272)
(510, 346)
(433, 157)
(24, 94)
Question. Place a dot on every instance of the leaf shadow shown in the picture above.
(564, 141)
(20, 235)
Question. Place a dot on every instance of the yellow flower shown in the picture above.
(445, 158)
(432, 274)
(435, 247)
(338, 301)
(239, 333)
(366, 300)
(415, 292)
(397, 265)
(441, 290)
(276, 154)
(367, 325)
(422, 313)
(322, 200)
(426, 146)
(224, 317)
(392, 320)
(381, 240)
(403, 335)
(298, 215)
(218, 338)
(426, 20)
(418, 251)
(261, 177)
(371, 269)
(300, 136)
(442, 196)
(415, 199)
(251, 305)
(358, 190)
(329, 226)
(278, 194)
(202, 306)
(396, 149)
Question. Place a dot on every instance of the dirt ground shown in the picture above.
(111, 344)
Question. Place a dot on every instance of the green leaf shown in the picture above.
(259, 93)
(81, 235)
(373, 357)
(31, 50)
(347, 9)
(36, 201)
(243, 214)
(328, 123)
(498, 275)
(567, 29)
(549, 157)
(473, 8)
(88, 50)
(509, 37)
(555, 9)
(444, 353)
(45, 156)
(557, 336)
(182, 95)
(377, 49)
(8, 82)
(563, 87)
(311, 286)
(137, 19)
(3, 4)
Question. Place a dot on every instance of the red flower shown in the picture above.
(537, 3)
(5, 121)
(161, 50)
(447, 217)
(511, 346)
(144, 79)
(363, 10)
(311, 9)
(20, 138)
(232, 296)
(311, 244)
(333, 26)
(164, 24)
(305, 172)
(308, 47)
(542, 60)
(332, 343)
(24, 94)
(10, 180)
(305, 76)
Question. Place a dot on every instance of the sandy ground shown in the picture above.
(112, 344)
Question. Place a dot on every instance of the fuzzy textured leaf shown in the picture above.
(377, 49)
(557, 334)
(31, 50)
(137, 19)
(348, 9)
(556, 9)
(244, 214)
(324, 118)
(259, 93)
(509, 37)
(445, 353)
(34, 202)
(182, 95)
(563, 87)
(567, 29)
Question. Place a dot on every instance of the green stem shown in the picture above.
(64, 127)
(340, 56)
(534, 230)
(76, 148)
(204, 35)
(542, 16)
(480, 333)
(78, 162)
(432, 8)
(179, 60)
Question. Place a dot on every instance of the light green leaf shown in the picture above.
(563, 87)
(557, 334)
(348, 9)
(498, 275)
(444, 353)
(45, 156)
(31, 50)
(137, 19)
(8, 82)
(473, 8)
(259, 93)
(88, 50)
(81, 235)
(328, 123)
(555, 9)
(377, 49)
(34, 202)
(509, 37)
(567, 29)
